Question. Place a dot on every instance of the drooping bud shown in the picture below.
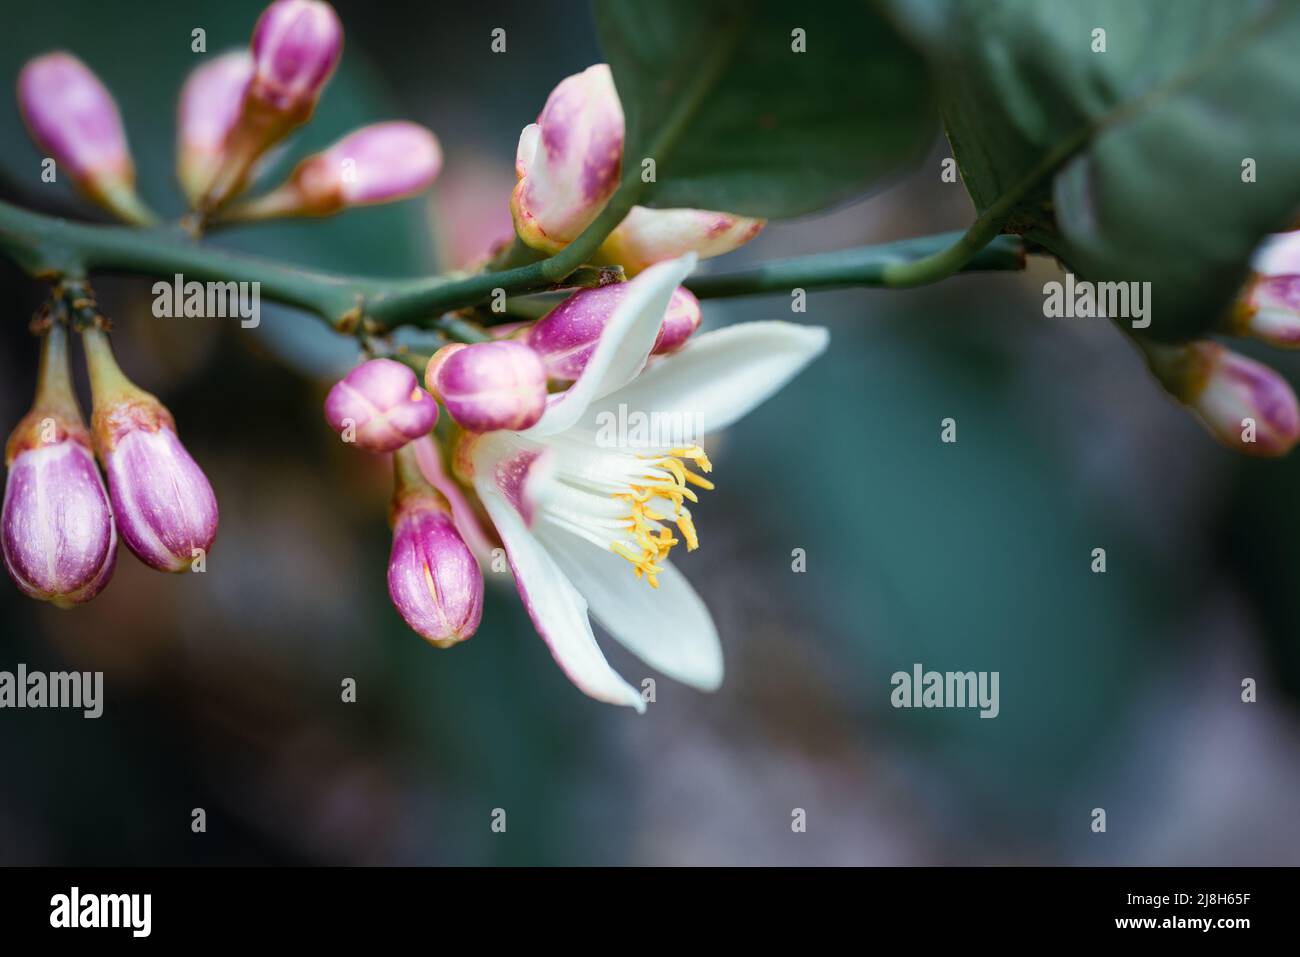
(433, 579)
(296, 46)
(72, 117)
(58, 537)
(1243, 403)
(488, 386)
(648, 236)
(210, 104)
(380, 163)
(164, 505)
(568, 161)
(380, 406)
(1268, 307)
(567, 335)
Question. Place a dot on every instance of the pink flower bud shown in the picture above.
(433, 579)
(56, 529)
(489, 385)
(1243, 403)
(164, 505)
(568, 161)
(210, 105)
(1268, 307)
(72, 117)
(647, 236)
(380, 406)
(376, 164)
(567, 335)
(296, 46)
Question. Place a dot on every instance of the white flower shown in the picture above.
(588, 527)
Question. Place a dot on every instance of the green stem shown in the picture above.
(845, 268)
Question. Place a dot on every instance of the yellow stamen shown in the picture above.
(653, 539)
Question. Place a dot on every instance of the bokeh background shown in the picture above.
(1120, 691)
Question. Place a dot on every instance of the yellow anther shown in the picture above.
(651, 540)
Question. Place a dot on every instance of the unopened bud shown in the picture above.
(568, 161)
(1268, 308)
(376, 164)
(380, 406)
(648, 236)
(566, 336)
(164, 505)
(210, 103)
(57, 531)
(433, 578)
(1244, 404)
(72, 117)
(489, 385)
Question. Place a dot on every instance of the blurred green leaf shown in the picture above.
(1135, 152)
(778, 132)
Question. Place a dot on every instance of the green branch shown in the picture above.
(847, 268)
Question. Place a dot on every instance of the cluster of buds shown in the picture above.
(1245, 404)
(233, 109)
(501, 385)
(60, 525)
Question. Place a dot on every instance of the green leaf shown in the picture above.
(736, 120)
(1128, 163)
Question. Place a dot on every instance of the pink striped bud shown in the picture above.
(380, 406)
(489, 385)
(567, 335)
(1243, 403)
(210, 105)
(296, 46)
(56, 529)
(648, 236)
(433, 578)
(568, 161)
(1268, 307)
(163, 503)
(72, 117)
(375, 164)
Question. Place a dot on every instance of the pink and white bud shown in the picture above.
(296, 46)
(648, 236)
(433, 578)
(73, 118)
(566, 336)
(165, 509)
(1244, 404)
(380, 406)
(210, 105)
(375, 164)
(1268, 307)
(568, 162)
(489, 386)
(56, 527)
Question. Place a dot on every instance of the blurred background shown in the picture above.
(1119, 690)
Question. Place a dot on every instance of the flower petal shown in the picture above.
(669, 628)
(624, 345)
(718, 377)
(558, 610)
